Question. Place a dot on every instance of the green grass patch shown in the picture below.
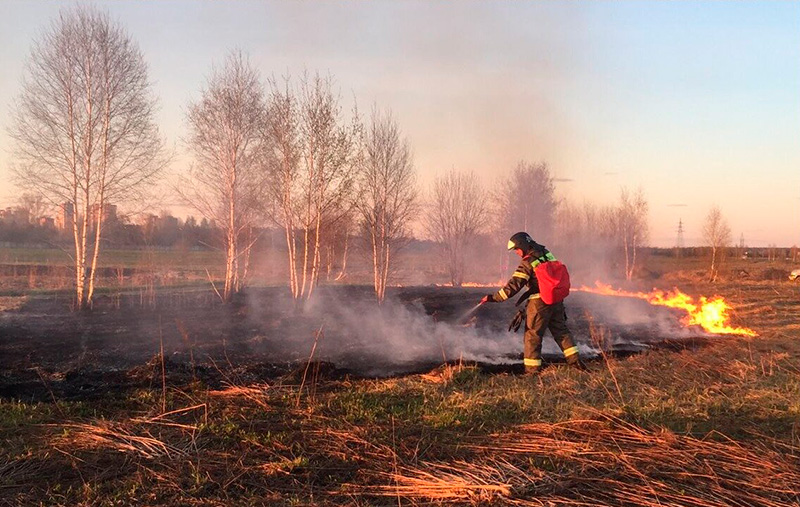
(142, 258)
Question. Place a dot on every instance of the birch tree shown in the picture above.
(337, 233)
(717, 235)
(283, 138)
(587, 235)
(527, 201)
(312, 171)
(524, 201)
(35, 204)
(329, 172)
(388, 196)
(84, 127)
(226, 137)
(457, 212)
(632, 226)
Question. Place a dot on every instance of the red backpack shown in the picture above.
(553, 279)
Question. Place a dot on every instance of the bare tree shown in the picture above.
(524, 201)
(345, 232)
(284, 142)
(84, 127)
(388, 196)
(337, 232)
(717, 235)
(35, 205)
(586, 234)
(772, 251)
(497, 229)
(527, 201)
(312, 171)
(226, 137)
(632, 226)
(456, 214)
(329, 171)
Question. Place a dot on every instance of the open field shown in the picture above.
(253, 253)
(176, 259)
(344, 404)
(48, 269)
(29, 269)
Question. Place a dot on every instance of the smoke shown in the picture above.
(419, 328)
(416, 329)
(412, 330)
(631, 321)
(400, 336)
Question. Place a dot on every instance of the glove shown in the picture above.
(488, 298)
(517, 321)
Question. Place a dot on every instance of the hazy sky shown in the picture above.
(697, 102)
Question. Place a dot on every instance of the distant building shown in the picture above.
(167, 222)
(47, 222)
(161, 229)
(147, 220)
(65, 216)
(14, 216)
(147, 224)
(109, 213)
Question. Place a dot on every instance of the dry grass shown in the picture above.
(252, 440)
(11, 303)
(116, 437)
(716, 426)
(445, 481)
(602, 462)
(256, 393)
(172, 439)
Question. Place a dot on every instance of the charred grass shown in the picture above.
(702, 426)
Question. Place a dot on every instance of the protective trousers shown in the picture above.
(541, 317)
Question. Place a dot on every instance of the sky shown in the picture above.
(697, 103)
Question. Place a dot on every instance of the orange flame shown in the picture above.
(710, 314)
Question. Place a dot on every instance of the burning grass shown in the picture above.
(711, 314)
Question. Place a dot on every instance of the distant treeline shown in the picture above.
(769, 252)
(170, 233)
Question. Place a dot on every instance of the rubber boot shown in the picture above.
(532, 371)
(577, 363)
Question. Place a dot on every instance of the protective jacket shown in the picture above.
(524, 276)
(539, 316)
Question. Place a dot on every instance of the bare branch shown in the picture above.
(717, 234)
(457, 212)
(226, 137)
(387, 194)
(84, 126)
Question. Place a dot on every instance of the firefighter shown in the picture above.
(539, 315)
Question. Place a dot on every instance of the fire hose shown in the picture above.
(516, 322)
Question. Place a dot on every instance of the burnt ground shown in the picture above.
(49, 352)
(236, 421)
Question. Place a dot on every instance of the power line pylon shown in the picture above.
(679, 240)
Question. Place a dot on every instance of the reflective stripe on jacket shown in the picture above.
(523, 276)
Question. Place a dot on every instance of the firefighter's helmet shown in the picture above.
(521, 240)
